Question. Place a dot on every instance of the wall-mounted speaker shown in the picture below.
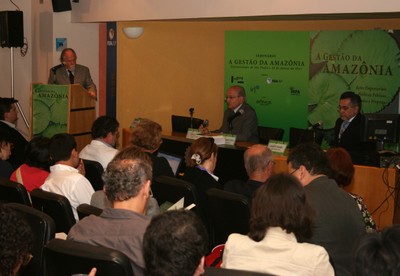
(11, 29)
(61, 5)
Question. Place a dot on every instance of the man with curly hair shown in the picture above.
(127, 186)
(15, 242)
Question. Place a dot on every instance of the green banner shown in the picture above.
(50, 109)
(295, 79)
(273, 67)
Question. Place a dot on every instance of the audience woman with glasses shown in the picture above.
(280, 215)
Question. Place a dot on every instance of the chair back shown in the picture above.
(182, 123)
(56, 206)
(43, 228)
(228, 213)
(85, 210)
(11, 191)
(171, 189)
(94, 170)
(65, 258)
(269, 133)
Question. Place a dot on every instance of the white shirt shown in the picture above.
(67, 181)
(98, 151)
(278, 253)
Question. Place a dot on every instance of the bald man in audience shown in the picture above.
(259, 164)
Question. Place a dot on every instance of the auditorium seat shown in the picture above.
(85, 210)
(11, 191)
(93, 172)
(56, 206)
(43, 228)
(228, 213)
(65, 258)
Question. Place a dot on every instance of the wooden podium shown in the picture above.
(62, 108)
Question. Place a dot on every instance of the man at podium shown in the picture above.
(68, 72)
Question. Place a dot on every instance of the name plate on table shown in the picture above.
(193, 133)
(230, 139)
(277, 147)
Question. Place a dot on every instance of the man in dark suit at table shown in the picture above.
(69, 72)
(240, 118)
(349, 130)
(8, 120)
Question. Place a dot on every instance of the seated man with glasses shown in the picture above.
(127, 186)
(240, 118)
(259, 164)
(349, 129)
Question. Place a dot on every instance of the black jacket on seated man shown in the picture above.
(362, 153)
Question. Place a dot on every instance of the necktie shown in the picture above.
(345, 124)
(71, 77)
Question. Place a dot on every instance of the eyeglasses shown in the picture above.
(344, 107)
(26, 260)
(231, 97)
(294, 171)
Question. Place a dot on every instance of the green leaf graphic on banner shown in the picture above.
(374, 64)
(366, 62)
(324, 99)
(41, 116)
(54, 129)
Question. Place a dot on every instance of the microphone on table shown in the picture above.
(191, 111)
(316, 126)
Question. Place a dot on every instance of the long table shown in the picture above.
(378, 186)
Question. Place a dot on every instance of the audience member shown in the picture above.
(8, 121)
(239, 118)
(6, 168)
(36, 168)
(280, 214)
(69, 72)
(338, 223)
(127, 186)
(64, 177)
(378, 253)
(102, 147)
(16, 240)
(201, 158)
(342, 171)
(146, 135)
(175, 244)
(258, 161)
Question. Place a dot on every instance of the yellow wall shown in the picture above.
(176, 65)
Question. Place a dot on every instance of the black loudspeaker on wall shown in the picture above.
(11, 29)
(61, 5)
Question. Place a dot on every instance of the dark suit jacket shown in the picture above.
(351, 137)
(17, 157)
(81, 76)
(245, 126)
(247, 188)
(362, 153)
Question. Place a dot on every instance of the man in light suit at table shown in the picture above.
(240, 118)
(69, 72)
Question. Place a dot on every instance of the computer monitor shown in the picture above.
(381, 128)
(182, 124)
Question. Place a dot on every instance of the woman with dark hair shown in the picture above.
(201, 158)
(36, 168)
(5, 152)
(146, 135)
(280, 215)
(342, 171)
